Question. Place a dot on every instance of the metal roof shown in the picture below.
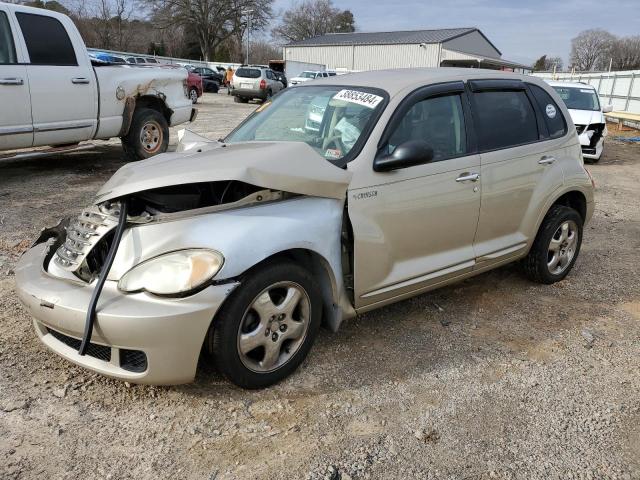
(386, 38)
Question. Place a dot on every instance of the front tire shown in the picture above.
(556, 247)
(147, 136)
(267, 326)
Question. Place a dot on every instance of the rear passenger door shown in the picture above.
(63, 87)
(517, 159)
(414, 227)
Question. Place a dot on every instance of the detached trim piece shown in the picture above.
(91, 311)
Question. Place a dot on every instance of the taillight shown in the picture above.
(263, 84)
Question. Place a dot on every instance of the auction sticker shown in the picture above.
(365, 99)
(551, 111)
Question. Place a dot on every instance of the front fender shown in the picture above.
(245, 237)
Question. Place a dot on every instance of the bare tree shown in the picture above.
(589, 49)
(212, 21)
(625, 53)
(312, 18)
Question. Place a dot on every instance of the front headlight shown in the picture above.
(173, 273)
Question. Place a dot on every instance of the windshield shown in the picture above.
(330, 119)
(308, 75)
(579, 98)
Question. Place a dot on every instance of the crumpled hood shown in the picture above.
(586, 117)
(288, 166)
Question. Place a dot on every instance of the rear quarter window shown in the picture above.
(248, 73)
(556, 123)
(504, 119)
(47, 40)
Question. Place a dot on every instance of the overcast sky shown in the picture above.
(521, 30)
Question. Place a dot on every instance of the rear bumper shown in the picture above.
(181, 114)
(170, 332)
(249, 93)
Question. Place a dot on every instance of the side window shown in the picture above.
(47, 40)
(7, 49)
(439, 121)
(270, 75)
(552, 115)
(504, 119)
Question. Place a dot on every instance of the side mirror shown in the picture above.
(407, 154)
(607, 108)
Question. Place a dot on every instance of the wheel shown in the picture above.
(238, 99)
(556, 246)
(267, 326)
(148, 135)
(193, 95)
(268, 97)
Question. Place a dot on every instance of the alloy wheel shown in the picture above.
(274, 327)
(562, 247)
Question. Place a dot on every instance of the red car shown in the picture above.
(194, 84)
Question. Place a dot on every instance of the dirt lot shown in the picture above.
(494, 377)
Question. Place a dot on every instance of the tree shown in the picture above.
(589, 49)
(547, 64)
(625, 53)
(212, 21)
(541, 64)
(312, 18)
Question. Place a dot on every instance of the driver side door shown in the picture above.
(414, 227)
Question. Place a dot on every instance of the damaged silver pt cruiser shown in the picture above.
(244, 247)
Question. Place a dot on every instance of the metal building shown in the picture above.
(457, 47)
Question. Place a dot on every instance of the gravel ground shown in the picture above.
(494, 377)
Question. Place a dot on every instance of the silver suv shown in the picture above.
(253, 82)
(244, 248)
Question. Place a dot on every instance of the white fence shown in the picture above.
(166, 60)
(621, 89)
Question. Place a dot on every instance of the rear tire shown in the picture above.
(267, 326)
(556, 247)
(148, 135)
(193, 95)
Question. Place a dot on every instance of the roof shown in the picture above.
(569, 84)
(385, 38)
(400, 79)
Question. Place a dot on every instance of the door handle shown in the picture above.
(11, 81)
(80, 81)
(547, 160)
(468, 177)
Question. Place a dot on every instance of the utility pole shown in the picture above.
(248, 14)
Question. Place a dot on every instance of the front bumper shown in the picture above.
(593, 153)
(170, 332)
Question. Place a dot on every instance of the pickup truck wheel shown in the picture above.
(556, 247)
(266, 328)
(193, 95)
(148, 135)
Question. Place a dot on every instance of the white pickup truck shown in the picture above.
(52, 95)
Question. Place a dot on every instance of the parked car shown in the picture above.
(108, 58)
(307, 76)
(587, 114)
(51, 94)
(244, 247)
(211, 79)
(136, 60)
(254, 82)
(194, 84)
